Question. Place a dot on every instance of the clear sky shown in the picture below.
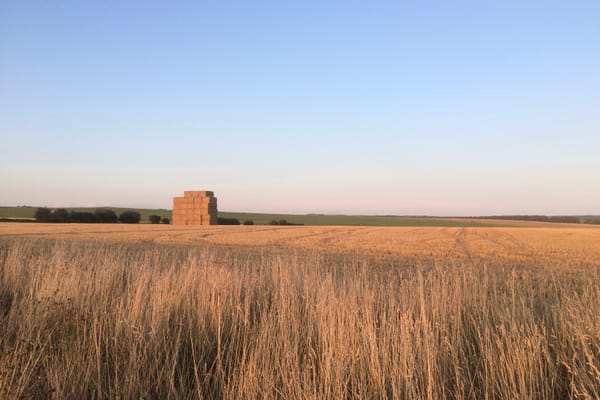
(423, 107)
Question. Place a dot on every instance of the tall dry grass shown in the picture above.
(92, 320)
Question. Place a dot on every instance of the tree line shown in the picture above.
(100, 215)
(109, 216)
(233, 221)
(284, 222)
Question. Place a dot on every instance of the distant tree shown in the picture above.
(249, 222)
(165, 220)
(59, 215)
(593, 221)
(42, 214)
(106, 215)
(273, 222)
(77, 216)
(130, 217)
(84, 217)
(284, 222)
(228, 221)
(155, 219)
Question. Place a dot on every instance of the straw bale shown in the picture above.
(196, 207)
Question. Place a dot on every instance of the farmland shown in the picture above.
(299, 312)
(265, 219)
(548, 245)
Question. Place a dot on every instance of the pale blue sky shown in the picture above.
(429, 107)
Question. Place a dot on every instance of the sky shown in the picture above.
(425, 107)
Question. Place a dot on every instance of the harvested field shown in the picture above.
(122, 311)
(543, 246)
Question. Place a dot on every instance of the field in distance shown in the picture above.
(26, 212)
(265, 219)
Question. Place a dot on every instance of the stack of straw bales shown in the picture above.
(195, 208)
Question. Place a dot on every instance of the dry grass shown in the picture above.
(92, 319)
(550, 246)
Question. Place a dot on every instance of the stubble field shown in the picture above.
(118, 311)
